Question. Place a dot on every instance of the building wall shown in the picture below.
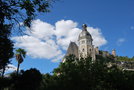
(86, 49)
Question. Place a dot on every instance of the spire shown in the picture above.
(84, 27)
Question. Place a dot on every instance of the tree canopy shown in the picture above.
(73, 74)
(12, 14)
(83, 74)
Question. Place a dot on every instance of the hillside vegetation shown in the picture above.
(73, 74)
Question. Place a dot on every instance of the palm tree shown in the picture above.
(20, 55)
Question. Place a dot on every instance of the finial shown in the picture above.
(84, 26)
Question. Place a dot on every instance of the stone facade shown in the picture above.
(72, 49)
(114, 52)
(85, 47)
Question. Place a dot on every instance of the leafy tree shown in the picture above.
(50, 82)
(16, 11)
(83, 74)
(20, 55)
(30, 80)
(12, 12)
(4, 82)
(6, 48)
(26, 80)
(73, 74)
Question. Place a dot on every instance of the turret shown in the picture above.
(86, 47)
(97, 50)
(114, 52)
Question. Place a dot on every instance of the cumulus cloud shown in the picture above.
(44, 40)
(98, 38)
(10, 68)
(120, 41)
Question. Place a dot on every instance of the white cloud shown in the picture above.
(120, 41)
(60, 57)
(98, 38)
(65, 32)
(38, 48)
(10, 68)
(48, 41)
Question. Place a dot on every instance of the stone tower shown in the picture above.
(86, 47)
(97, 50)
(114, 52)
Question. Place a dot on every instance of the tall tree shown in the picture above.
(6, 48)
(20, 55)
(27, 80)
(12, 12)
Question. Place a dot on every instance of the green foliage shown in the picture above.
(21, 51)
(16, 11)
(30, 80)
(84, 74)
(73, 74)
(6, 48)
(20, 55)
(125, 62)
(6, 51)
(4, 82)
(124, 58)
(12, 13)
(26, 80)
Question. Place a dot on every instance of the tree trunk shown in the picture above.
(3, 71)
(18, 68)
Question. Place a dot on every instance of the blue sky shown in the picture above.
(114, 19)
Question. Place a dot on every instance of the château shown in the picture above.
(85, 47)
